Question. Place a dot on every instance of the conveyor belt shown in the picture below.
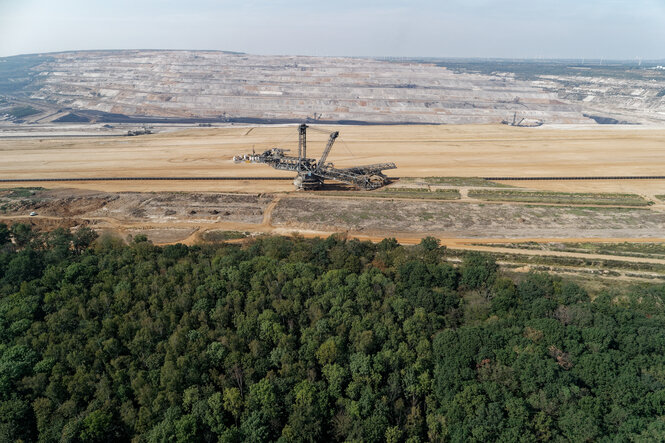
(608, 177)
(102, 179)
(99, 179)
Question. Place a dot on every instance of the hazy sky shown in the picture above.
(625, 29)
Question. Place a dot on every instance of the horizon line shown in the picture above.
(584, 60)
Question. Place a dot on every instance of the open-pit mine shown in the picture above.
(213, 86)
(145, 141)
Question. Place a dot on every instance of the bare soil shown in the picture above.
(418, 151)
(194, 213)
(166, 217)
(452, 219)
(183, 211)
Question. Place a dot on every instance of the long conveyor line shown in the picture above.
(608, 177)
(86, 179)
(101, 179)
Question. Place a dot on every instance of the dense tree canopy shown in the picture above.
(314, 340)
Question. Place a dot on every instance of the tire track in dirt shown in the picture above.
(267, 213)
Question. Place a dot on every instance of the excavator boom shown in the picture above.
(326, 151)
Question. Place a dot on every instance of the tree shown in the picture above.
(5, 234)
(16, 419)
(431, 249)
(245, 343)
(233, 403)
(263, 398)
(15, 362)
(58, 243)
(504, 295)
(535, 285)
(478, 271)
(572, 293)
(22, 234)
(307, 416)
(96, 426)
(26, 265)
(580, 422)
(83, 238)
(140, 238)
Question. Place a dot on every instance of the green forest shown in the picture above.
(292, 339)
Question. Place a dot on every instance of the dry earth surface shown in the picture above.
(114, 86)
(226, 86)
(177, 217)
(419, 151)
(456, 221)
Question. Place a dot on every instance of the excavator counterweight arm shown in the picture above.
(326, 151)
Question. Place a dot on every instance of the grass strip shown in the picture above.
(560, 197)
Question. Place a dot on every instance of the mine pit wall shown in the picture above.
(185, 84)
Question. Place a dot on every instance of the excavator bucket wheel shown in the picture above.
(377, 179)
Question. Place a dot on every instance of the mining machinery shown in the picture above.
(523, 123)
(311, 173)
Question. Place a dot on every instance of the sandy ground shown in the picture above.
(461, 219)
(191, 213)
(418, 151)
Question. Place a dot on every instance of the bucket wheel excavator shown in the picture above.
(312, 173)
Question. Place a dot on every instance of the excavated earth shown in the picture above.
(168, 217)
(467, 220)
(138, 207)
(228, 87)
(187, 86)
